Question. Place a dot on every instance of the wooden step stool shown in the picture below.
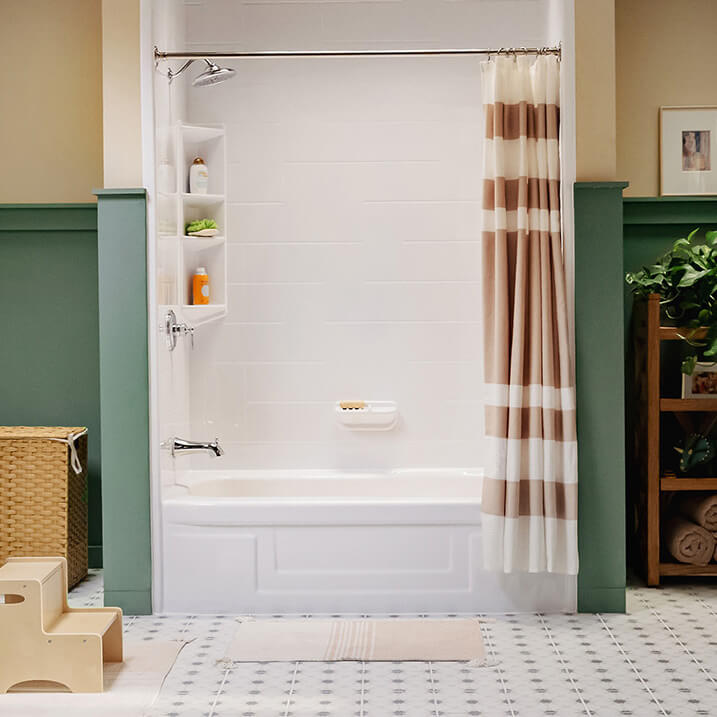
(42, 639)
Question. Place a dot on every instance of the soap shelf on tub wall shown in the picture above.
(367, 415)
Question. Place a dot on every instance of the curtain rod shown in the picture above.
(159, 55)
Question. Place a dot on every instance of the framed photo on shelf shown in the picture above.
(702, 383)
(687, 163)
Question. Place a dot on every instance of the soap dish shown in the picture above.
(367, 415)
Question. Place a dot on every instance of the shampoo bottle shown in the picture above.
(198, 177)
(200, 287)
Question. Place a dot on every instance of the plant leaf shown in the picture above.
(688, 365)
(690, 276)
(712, 349)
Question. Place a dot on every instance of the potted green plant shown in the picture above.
(686, 280)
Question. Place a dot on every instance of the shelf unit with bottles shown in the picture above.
(179, 254)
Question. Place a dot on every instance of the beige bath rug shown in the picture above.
(130, 687)
(385, 640)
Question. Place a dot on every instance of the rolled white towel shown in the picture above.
(688, 542)
(701, 508)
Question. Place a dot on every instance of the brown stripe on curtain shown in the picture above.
(518, 270)
(530, 192)
(539, 121)
(530, 422)
(514, 499)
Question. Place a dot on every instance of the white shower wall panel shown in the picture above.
(354, 189)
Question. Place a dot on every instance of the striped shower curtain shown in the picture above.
(530, 489)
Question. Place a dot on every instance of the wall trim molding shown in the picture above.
(48, 218)
(601, 185)
(124, 398)
(600, 396)
(119, 192)
(669, 210)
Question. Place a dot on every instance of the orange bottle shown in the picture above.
(200, 287)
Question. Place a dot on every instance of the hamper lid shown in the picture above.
(60, 434)
(41, 431)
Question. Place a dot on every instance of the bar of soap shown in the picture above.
(352, 405)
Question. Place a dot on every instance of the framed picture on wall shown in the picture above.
(688, 150)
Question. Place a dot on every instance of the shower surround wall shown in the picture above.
(353, 206)
(172, 376)
(353, 228)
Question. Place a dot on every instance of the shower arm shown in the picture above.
(171, 74)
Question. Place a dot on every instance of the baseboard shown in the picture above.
(94, 556)
(132, 602)
(601, 599)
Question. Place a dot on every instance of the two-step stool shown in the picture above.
(42, 639)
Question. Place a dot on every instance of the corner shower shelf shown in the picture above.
(195, 133)
(179, 255)
(202, 200)
(200, 243)
(198, 315)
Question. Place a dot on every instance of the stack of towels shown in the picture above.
(691, 533)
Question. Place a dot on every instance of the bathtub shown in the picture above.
(296, 542)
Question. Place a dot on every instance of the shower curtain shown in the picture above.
(530, 488)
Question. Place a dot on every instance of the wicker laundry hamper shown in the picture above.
(43, 495)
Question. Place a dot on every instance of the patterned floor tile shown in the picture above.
(658, 659)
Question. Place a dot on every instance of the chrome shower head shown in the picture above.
(213, 75)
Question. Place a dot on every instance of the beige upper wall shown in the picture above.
(631, 57)
(122, 114)
(51, 89)
(595, 122)
(665, 56)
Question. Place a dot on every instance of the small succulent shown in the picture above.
(698, 449)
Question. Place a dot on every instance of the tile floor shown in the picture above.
(659, 659)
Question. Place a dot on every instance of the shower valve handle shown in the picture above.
(173, 329)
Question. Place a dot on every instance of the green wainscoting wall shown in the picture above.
(599, 342)
(49, 350)
(124, 392)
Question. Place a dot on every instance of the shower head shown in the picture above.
(213, 75)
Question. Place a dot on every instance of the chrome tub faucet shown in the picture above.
(178, 446)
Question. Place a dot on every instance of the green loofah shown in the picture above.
(199, 224)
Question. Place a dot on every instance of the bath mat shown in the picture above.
(130, 687)
(384, 640)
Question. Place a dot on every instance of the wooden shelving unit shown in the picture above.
(688, 404)
(671, 483)
(657, 484)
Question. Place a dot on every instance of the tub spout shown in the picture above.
(180, 445)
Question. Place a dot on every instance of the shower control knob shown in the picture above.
(174, 328)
